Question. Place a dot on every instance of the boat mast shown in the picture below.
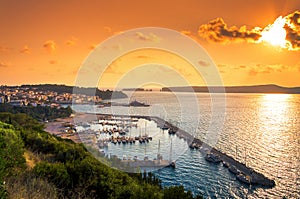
(171, 151)
(140, 131)
(145, 128)
(158, 151)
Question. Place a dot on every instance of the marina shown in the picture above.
(254, 137)
(243, 173)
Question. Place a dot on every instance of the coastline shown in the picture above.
(58, 128)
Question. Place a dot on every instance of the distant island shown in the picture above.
(271, 88)
(136, 89)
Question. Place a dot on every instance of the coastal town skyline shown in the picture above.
(47, 42)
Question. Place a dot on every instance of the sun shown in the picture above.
(275, 33)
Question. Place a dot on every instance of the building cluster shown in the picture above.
(24, 96)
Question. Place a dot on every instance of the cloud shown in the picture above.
(186, 32)
(150, 37)
(203, 63)
(292, 28)
(113, 69)
(53, 62)
(50, 46)
(117, 47)
(221, 65)
(4, 64)
(4, 49)
(143, 57)
(92, 46)
(252, 72)
(107, 29)
(25, 50)
(269, 69)
(72, 41)
(218, 31)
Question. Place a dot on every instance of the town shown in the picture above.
(33, 96)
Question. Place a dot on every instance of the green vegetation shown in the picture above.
(39, 113)
(64, 169)
(12, 161)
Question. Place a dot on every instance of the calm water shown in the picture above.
(262, 130)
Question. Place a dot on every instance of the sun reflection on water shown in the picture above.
(274, 109)
(277, 135)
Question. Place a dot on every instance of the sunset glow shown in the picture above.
(275, 33)
(248, 48)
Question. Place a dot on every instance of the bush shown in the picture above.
(68, 167)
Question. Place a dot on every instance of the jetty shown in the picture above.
(243, 172)
(147, 163)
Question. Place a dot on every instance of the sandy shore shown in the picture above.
(57, 128)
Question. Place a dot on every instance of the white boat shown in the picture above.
(233, 169)
(212, 158)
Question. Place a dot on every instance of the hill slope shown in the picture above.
(65, 169)
(236, 89)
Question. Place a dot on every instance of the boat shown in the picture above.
(136, 103)
(233, 169)
(172, 131)
(210, 157)
(158, 162)
(86, 125)
(243, 178)
(194, 146)
(105, 144)
(172, 164)
(165, 128)
(225, 164)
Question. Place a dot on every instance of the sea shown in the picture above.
(260, 130)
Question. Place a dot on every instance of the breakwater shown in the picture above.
(242, 171)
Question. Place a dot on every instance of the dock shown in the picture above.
(253, 177)
(147, 163)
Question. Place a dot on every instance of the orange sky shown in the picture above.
(47, 41)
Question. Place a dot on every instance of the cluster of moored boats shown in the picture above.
(214, 158)
(131, 140)
(211, 157)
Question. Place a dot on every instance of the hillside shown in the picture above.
(35, 164)
(236, 89)
(60, 89)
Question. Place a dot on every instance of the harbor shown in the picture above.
(242, 172)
